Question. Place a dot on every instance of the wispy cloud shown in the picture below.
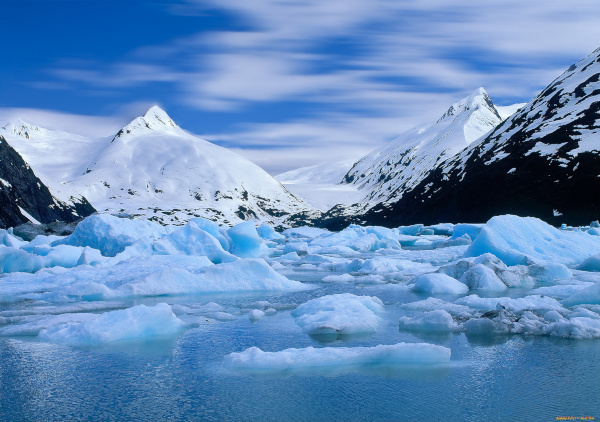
(378, 67)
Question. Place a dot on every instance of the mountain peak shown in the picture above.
(478, 99)
(158, 116)
(23, 129)
(154, 120)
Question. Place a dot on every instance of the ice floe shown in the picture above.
(256, 360)
(339, 314)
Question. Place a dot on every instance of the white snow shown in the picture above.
(320, 185)
(386, 172)
(152, 168)
(28, 216)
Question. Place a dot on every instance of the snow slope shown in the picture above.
(542, 161)
(388, 171)
(320, 185)
(153, 168)
(55, 156)
(25, 198)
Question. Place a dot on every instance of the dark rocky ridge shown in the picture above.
(544, 162)
(20, 187)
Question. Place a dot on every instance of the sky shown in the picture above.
(286, 83)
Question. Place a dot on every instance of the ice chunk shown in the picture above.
(304, 232)
(515, 276)
(255, 314)
(191, 240)
(246, 242)
(589, 295)
(516, 240)
(517, 305)
(410, 230)
(442, 229)
(363, 239)
(291, 256)
(211, 228)
(549, 271)
(137, 322)
(43, 256)
(434, 321)
(254, 359)
(590, 264)
(481, 277)
(551, 324)
(436, 283)
(17, 260)
(561, 291)
(7, 238)
(91, 256)
(341, 278)
(459, 241)
(595, 231)
(109, 234)
(343, 314)
(431, 304)
(152, 276)
(378, 266)
(471, 230)
(268, 233)
(301, 248)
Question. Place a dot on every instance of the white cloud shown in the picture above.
(397, 63)
(91, 126)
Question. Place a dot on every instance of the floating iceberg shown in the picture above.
(516, 240)
(246, 242)
(191, 240)
(343, 314)
(254, 359)
(434, 321)
(436, 283)
(134, 323)
(111, 235)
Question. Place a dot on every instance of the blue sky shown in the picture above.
(287, 83)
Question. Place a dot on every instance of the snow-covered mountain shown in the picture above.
(54, 156)
(320, 185)
(543, 161)
(153, 168)
(23, 196)
(387, 172)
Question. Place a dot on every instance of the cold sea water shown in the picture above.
(183, 376)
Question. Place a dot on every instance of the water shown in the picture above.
(182, 377)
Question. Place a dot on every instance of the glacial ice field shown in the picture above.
(128, 319)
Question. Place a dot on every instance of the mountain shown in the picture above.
(320, 185)
(543, 161)
(387, 172)
(23, 197)
(153, 168)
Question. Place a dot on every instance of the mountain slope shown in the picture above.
(320, 185)
(387, 172)
(23, 197)
(153, 168)
(543, 161)
(55, 156)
